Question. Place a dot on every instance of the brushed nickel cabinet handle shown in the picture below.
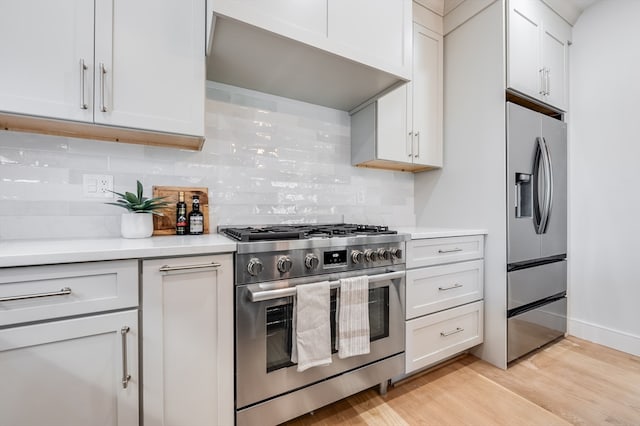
(542, 78)
(126, 377)
(456, 285)
(167, 268)
(103, 72)
(548, 82)
(449, 333)
(417, 145)
(449, 250)
(62, 292)
(83, 77)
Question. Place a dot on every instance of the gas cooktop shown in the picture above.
(302, 232)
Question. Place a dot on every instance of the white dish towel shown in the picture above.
(353, 317)
(311, 326)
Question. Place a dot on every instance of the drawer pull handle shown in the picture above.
(125, 369)
(456, 285)
(449, 250)
(167, 268)
(449, 333)
(63, 292)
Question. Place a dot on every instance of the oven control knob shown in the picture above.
(284, 264)
(370, 255)
(311, 261)
(255, 266)
(396, 253)
(383, 254)
(357, 256)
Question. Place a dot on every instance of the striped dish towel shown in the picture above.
(353, 317)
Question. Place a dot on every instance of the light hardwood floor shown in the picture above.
(570, 382)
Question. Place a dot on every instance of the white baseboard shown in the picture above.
(615, 339)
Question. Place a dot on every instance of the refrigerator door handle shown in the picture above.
(548, 191)
(537, 208)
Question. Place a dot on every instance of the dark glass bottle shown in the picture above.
(181, 215)
(196, 218)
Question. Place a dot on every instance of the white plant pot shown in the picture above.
(136, 225)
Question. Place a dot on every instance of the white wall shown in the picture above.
(604, 153)
(266, 160)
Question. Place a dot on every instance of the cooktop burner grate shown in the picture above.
(300, 232)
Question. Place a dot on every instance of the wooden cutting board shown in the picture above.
(166, 225)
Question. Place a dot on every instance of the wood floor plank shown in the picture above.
(575, 383)
(571, 382)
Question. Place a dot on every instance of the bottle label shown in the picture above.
(196, 225)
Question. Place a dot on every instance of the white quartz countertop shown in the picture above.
(40, 252)
(418, 233)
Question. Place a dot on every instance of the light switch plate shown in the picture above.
(97, 186)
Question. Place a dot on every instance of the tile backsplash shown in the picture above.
(266, 160)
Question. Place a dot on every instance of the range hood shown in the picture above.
(247, 56)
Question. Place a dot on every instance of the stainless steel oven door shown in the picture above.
(263, 333)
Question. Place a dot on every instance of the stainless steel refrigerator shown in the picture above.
(537, 230)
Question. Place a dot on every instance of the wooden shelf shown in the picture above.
(74, 129)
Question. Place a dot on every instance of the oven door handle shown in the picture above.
(264, 295)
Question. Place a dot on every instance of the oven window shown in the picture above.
(280, 322)
(279, 326)
(378, 313)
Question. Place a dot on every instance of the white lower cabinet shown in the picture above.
(444, 292)
(63, 359)
(75, 372)
(187, 344)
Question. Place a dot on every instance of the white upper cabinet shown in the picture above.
(129, 64)
(426, 97)
(375, 30)
(43, 46)
(149, 68)
(537, 52)
(402, 130)
(328, 52)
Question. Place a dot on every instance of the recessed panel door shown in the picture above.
(46, 57)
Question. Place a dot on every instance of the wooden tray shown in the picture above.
(166, 225)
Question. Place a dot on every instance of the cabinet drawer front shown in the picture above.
(42, 292)
(435, 337)
(438, 288)
(435, 251)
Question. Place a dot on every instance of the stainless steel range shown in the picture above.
(270, 262)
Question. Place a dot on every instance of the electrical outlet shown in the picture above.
(97, 186)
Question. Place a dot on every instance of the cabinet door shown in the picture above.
(187, 315)
(393, 139)
(372, 28)
(427, 99)
(150, 65)
(555, 36)
(524, 72)
(43, 44)
(70, 372)
(290, 18)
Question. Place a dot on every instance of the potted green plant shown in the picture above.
(138, 221)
